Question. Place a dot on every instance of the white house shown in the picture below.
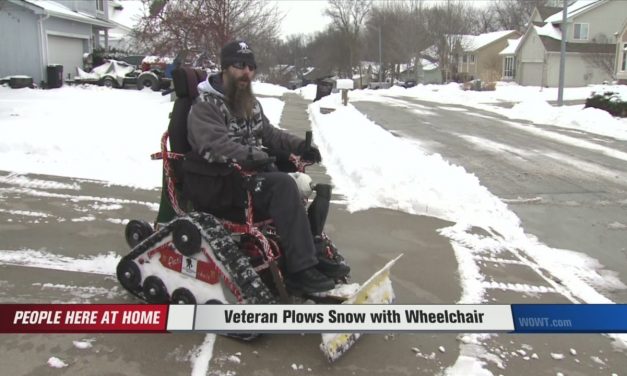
(38, 33)
(590, 45)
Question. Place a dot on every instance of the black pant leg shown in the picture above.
(280, 199)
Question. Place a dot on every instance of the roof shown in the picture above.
(546, 12)
(475, 42)
(577, 8)
(55, 9)
(512, 46)
(552, 45)
(550, 31)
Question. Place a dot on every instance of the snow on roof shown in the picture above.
(475, 42)
(57, 10)
(550, 31)
(428, 65)
(512, 46)
(128, 16)
(578, 7)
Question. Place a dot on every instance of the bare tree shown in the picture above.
(172, 27)
(447, 24)
(514, 14)
(390, 22)
(605, 62)
(348, 17)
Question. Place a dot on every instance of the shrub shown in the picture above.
(608, 101)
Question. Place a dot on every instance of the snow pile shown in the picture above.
(308, 92)
(89, 132)
(381, 176)
(262, 88)
(589, 119)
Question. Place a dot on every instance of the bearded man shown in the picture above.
(227, 124)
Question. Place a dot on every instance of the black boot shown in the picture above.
(309, 280)
(330, 262)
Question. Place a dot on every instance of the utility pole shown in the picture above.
(560, 90)
(380, 64)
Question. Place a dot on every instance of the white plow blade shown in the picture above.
(376, 290)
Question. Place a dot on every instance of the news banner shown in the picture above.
(156, 318)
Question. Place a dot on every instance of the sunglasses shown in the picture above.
(241, 65)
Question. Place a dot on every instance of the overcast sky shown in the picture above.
(301, 16)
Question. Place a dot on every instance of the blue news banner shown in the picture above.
(569, 318)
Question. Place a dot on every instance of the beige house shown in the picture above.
(479, 55)
(621, 55)
(590, 45)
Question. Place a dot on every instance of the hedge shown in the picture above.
(608, 101)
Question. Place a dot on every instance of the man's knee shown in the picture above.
(282, 182)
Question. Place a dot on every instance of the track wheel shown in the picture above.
(155, 291)
(183, 296)
(186, 237)
(136, 231)
(129, 275)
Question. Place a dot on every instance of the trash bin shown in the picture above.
(323, 88)
(54, 75)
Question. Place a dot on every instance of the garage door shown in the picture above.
(67, 52)
(531, 74)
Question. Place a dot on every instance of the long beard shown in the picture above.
(241, 100)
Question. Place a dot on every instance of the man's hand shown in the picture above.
(311, 154)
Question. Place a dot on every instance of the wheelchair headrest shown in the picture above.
(186, 81)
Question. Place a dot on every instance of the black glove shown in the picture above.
(312, 154)
(260, 165)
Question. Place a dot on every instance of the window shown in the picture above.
(100, 5)
(472, 58)
(624, 68)
(581, 31)
(508, 67)
(465, 58)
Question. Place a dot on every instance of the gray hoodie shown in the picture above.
(217, 135)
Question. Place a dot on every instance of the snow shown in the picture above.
(431, 188)
(202, 356)
(83, 344)
(55, 362)
(89, 132)
(475, 42)
(530, 103)
(548, 30)
(512, 46)
(262, 88)
(574, 9)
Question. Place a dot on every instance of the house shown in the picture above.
(123, 15)
(38, 33)
(621, 55)
(534, 59)
(479, 55)
(428, 73)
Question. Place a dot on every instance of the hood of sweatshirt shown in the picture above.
(213, 85)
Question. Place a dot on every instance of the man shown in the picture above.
(227, 124)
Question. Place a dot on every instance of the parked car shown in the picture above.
(410, 83)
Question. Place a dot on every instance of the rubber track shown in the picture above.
(237, 265)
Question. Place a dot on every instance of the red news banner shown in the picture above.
(83, 318)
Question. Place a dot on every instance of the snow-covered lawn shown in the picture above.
(90, 132)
